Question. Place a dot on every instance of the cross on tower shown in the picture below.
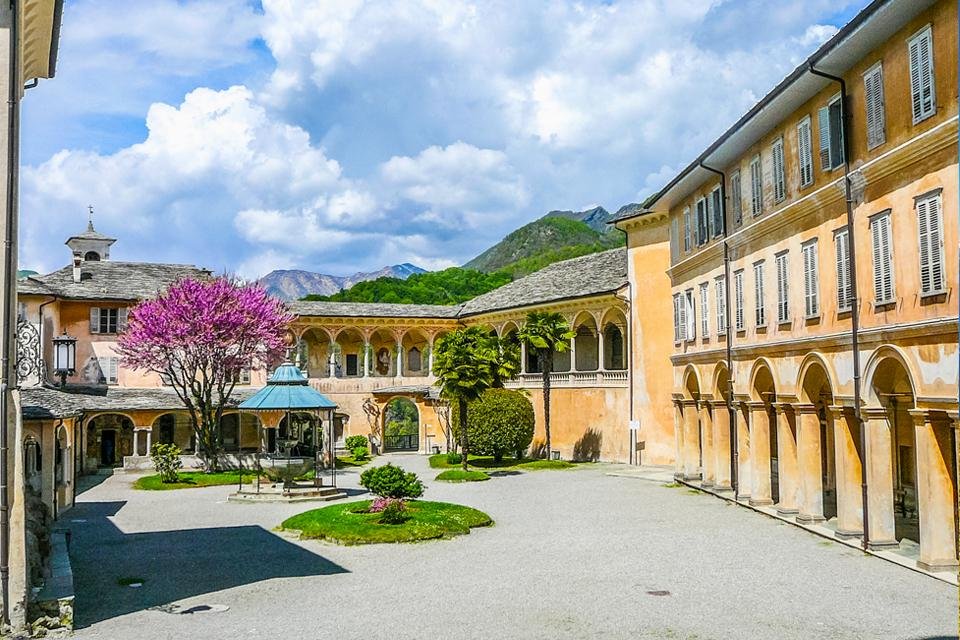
(90, 217)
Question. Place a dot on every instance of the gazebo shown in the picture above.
(287, 393)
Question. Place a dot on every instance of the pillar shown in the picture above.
(332, 362)
(760, 425)
(678, 425)
(936, 493)
(879, 460)
(430, 360)
(846, 438)
(601, 365)
(366, 359)
(523, 358)
(399, 371)
(809, 464)
(691, 441)
(136, 442)
(721, 446)
(788, 473)
(150, 438)
(573, 353)
(744, 476)
(708, 459)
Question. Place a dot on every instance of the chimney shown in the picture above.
(77, 261)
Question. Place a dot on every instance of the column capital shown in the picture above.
(920, 416)
(756, 405)
(873, 413)
(142, 427)
(804, 407)
(718, 404)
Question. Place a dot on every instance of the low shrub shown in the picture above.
(390, 481)
(458, 475)
(167, 462)
(352, 442)
(394, 513)
(360, 453)
(454, 458)
(500, 423)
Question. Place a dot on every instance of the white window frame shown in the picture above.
(933, 275)
(760, 301)
(921, 74)
(782, 261)
(809, 251)
(874, 107)
(689, 314)
(720, 284)
(738, 300)
(678, 320)
(687, 238)
(805, 151)
(884, 281)
(756, 186)
(841, 240)
(736, 198)
(779, 171)
(705, 310)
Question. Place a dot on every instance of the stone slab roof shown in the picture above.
(428, 391)
(589, 275)
(109, 280)
(372, 309)
(46, 403)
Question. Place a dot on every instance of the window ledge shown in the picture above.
(809, 320)
(782, 324)
(885, 305)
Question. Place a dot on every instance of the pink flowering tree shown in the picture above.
(198, 335)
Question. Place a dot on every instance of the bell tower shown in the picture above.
(91, 245)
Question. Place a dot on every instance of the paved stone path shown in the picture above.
(574, 554)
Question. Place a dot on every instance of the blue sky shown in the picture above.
(344, 136)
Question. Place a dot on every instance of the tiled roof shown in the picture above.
(589, 275)
(40, 403)
(109, 280)
(372, 309)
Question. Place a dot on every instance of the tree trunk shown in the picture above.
(463, 433)
(546, 366)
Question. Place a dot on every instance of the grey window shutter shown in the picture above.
(823, 123)
(921, 75)
(931, 248)
(844, 288)
(876, 124)
(94, 319)
(121, 319)
(882, 260)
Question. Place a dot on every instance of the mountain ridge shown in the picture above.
(293, 284)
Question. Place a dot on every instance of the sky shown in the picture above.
(341, 136)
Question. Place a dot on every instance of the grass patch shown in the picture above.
(439, 461)
(193, 479)
(459, 475)
(673, 485)
(349, 523)
(129, 580)
(540, 465)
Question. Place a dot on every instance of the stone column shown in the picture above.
(706, 439)
(744, 476)
(136, 442)
(399, 371)
(809, 464)
(787, 468)
(523, 365)
(691, 441)
(366, 359)
(149, 439)
(332, 363)
(721, 446)
(846, 438)
(760, 425)
(601, 365)
(573, 354)
(430, 360)
(936, 494)
(879, 460)
(678, 425)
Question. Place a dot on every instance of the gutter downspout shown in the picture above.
(731, 412)
(12, 177)
(855, 303)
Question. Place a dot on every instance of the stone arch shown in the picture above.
(889, 370)
(109, 438)
(173, 427)
(815, 374)
(721, 379)
(383, 352)
(348, 352)
(586, 341)
(507, 328)
(401, 431)
(691, 383)
(613, 323)
(313, 348)
(762, 380)
(416, 350)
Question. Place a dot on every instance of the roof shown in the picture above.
(286, 389)
(91, 234)
(428, 391)
(109, 280)
(868, 29)
(589, 275)
(372, 309)
(44, 403)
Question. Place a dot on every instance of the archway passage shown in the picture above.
(816, 446)
(764, 445)
(401, 426)
(109, 439)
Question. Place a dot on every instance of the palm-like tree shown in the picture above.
(546, 333)
(467, 363)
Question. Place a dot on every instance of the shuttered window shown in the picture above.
(677, 318)
(108, 320)
(717, 210)
(880, 229)
(783, 288)
(738, 300)
(704, 317)
(686, 229)
(756, 186)
(703, 233)
(805, 152)
(109, 369)
(720, 285)
(779, 173)
(761, 306)
(736, 199)
(830, 123)
(690, 320)
(930, 223)
(811, 279)
(873, 101)
(844, 285)
(922, 92)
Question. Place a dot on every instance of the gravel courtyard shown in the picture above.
(573, 554)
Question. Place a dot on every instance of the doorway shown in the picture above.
(108, 448)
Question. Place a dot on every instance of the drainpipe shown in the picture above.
(9, 283)
(855, 303)
(731, 412)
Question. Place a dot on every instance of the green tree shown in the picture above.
(467, 363)
(546, 333)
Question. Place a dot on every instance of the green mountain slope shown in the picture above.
(450, 286)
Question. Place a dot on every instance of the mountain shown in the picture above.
(293, 284)
(558, 235)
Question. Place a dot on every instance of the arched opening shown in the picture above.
(295, 435)
(401, 425)
(175, 428)
(692, 433)
(109, 439)
(91, 256)
(62, 469)
(33, 463)
(416, 350)
(383, 350)
(586, 343)
(614, 340)
(238, 432)
(348, 354)
(817, 445)
(763, 439)
(313, 353)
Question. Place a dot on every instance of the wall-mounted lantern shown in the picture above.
(64, 357)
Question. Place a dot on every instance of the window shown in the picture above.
(759, 294)
(880, 229)
(783, 288)
(830, 121)
(844, 286)
(738, 299)
(811, 279)
(690, 327)
(704, 318)
(353, 364)
(686, 229)
(677, 318)
(756, 186)
(716, 204)
(240, 376)
(414, 360)
(109, 369)
(920, 48)
(736, 198)
(929, 220)
(873, 100)
(107, 320)
(779, 177)
(703, 233)
(721, 288)
(805, 152)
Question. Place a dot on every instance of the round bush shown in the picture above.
(360, 453)
(389, 481)
(501, 422)
(352, 442)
